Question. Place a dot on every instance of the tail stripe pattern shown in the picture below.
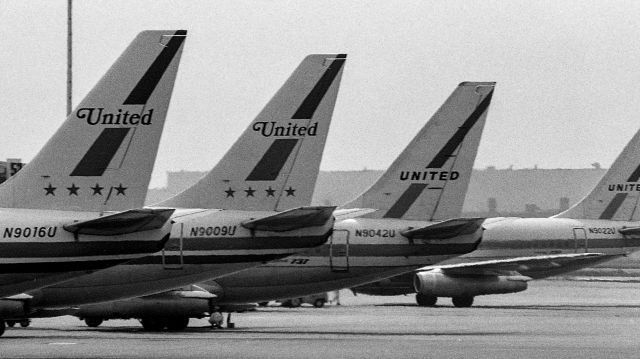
(619, 198)
(143, 90)
(270, 165)
(411, 194)
(313, 99)
(455, 141)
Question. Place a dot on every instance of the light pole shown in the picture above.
(69, 56)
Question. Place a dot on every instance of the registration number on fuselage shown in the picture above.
(602, 230)
(368, 233)
(29, 232)
(213, 231)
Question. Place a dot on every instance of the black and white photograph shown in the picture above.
(304, 179)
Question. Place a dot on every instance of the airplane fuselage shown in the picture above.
(360, 250)
(35, 249)
(506, 238)
(204, 244)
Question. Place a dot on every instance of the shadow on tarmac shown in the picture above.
(15, 333)
(570, 307)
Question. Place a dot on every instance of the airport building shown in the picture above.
(492, 192)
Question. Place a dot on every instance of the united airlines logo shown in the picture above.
(102, 151)
(268, 129)
(429, 175)
(97, 116)
(624, 187)
(415, 190)
(282, 149)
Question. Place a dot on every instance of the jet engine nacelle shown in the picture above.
(437, 284)
(12, 309)
(146, 307)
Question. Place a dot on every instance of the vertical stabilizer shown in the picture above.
(617, 194)
(429, 180)
(274, 164)
(102, 156)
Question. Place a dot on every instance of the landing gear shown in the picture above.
(462, 301)
(230, 324)
(93, 322)
(23, 323)
(216, 319)
(426, 300)
(263, 304)
(318, 303)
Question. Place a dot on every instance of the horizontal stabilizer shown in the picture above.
(292, 219)
(445, 229)
(131, 221)
(199, 294)
(631, 232)
(349, 213)
(524, 265)
(19, 297)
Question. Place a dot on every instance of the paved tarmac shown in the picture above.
(553, 319)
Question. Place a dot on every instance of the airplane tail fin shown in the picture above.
(102, 156)
(617, 195)
(274, 164)
(429, 180)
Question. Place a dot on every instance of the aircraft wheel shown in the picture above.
(1, 327)
(318, 303)
(152, 324)
(93, 322)
(263, 304)
(11, 323)
(25, 323)
(424, 300)
(295, 302)
(178, 323)
(462, 301)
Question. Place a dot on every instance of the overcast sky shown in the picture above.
(567, 73)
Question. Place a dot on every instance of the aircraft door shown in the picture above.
(580, 238)
(339, 251)
(172, 252)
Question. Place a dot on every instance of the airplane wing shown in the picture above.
(133, 220)
(289, 220)
(348, 213)
(445, 229)
(527, 266)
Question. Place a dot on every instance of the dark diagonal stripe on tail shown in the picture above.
(619, 198)
(312, 101)
(143, 90)
(405, 201)
(455, 141)
(269, 166)
(100, 154)
(613, 206)
(635, 175)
